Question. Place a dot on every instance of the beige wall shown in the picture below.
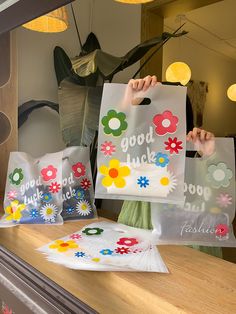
(218, 71)
(117, 27)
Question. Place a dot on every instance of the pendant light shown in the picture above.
(134, 1)
(178, 72)
(53, 22)
(231, 92)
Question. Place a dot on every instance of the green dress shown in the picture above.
(138, 214)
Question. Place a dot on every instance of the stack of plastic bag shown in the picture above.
(105, 246)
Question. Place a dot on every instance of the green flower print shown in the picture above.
(114, 123)
(92, 231)
(219, 175)
(16, 176)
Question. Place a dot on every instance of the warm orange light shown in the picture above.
(231, 92)
(53, 22)
(178, 72)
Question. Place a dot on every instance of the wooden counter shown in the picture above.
(197, 283)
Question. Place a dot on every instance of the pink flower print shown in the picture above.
(49, 173)
(6, 309)
(107, 148)
(75, 236)
(122, 250)
(221, 230)
(173, 145)
(54, 187)
(85, 184)
(11, 195)
(224, 200)
(127, 241)
(165, 123)
(79, 170)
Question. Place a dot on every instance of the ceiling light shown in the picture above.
(231, 92)
(178, 72)
(53, 22)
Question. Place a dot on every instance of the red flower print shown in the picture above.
(107, 148)
(78, 169)
(85, 184)
(165, 123)
(173, 145)
(49, 173)
(221, 230)
(75, 236)
(127, 241)
(54, 187)
(122, 250)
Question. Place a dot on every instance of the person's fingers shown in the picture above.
(140, 84)
(195, 133)
(154, 80)
(189, 136)
(202, 135)
(147, 82)
(209, 136)
(132, 83)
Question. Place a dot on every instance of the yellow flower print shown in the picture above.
(114, 174)
(63, 246)
(14, 210)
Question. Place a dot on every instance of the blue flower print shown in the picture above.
(70, 210)
(143, 182)
(162, 160)
(106, 252)
(79, 254)
(47, 197)
(79, 194)
(34, 213)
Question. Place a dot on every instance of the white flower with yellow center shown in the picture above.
(48, 212)
(168, 182)
(83, 208)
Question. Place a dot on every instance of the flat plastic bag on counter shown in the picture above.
(33, 193)
(209, 209)
(105, 246)
(141, 148)
(77, 191)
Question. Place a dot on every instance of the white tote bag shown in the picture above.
(141, 148)
(209, 209)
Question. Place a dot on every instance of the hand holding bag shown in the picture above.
(141, 149)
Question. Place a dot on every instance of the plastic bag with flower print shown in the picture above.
(77, 190)
(209, 209)
(33, 193)
(105, 246)
(141, 144)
